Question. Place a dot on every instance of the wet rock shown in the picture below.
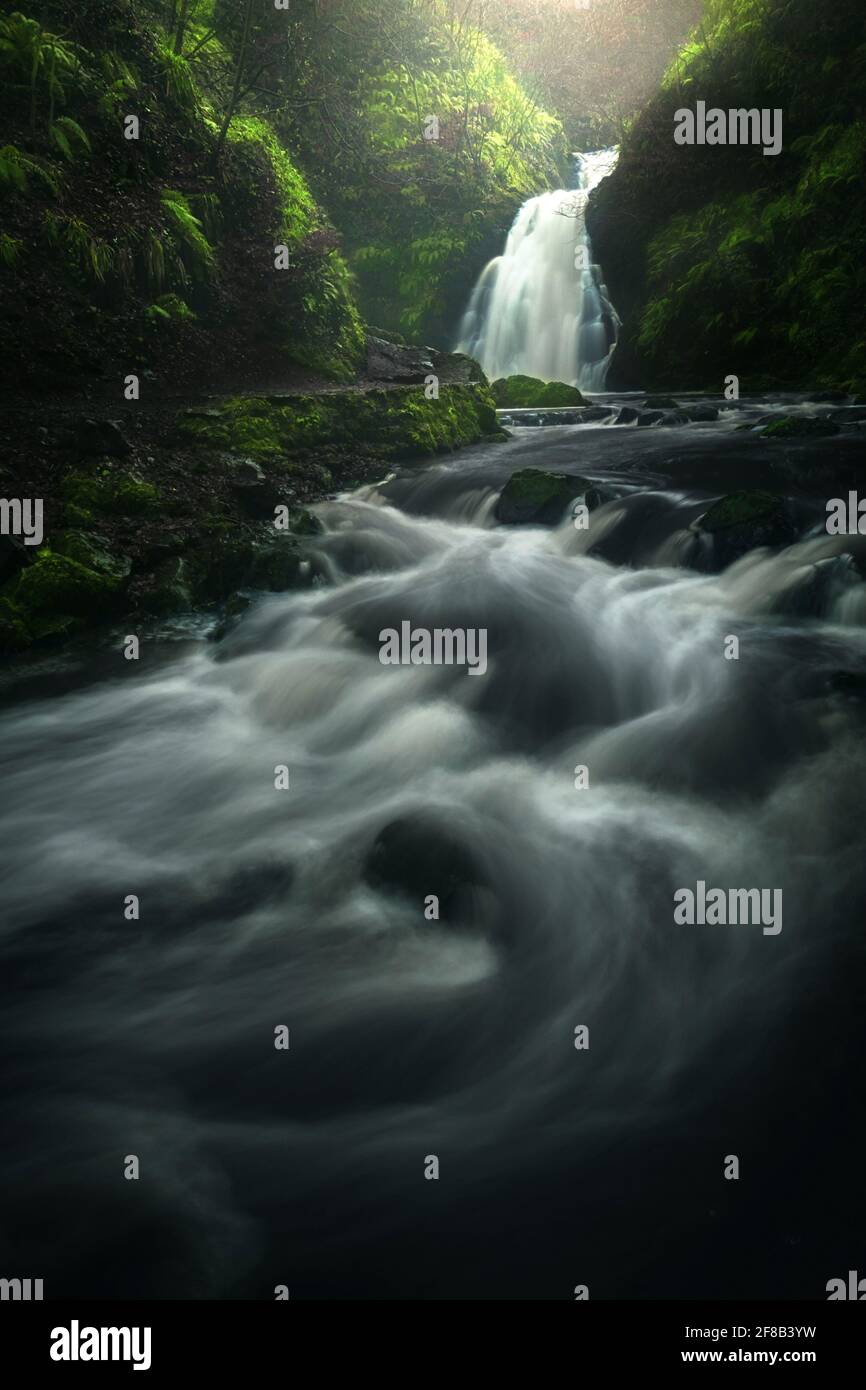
(829, 397)
(660, 403)
(256, 493)
(534, 497)
(744, 521)
(168, 590)
(627, 415)
(99, 437)
(279, 565)
(800, 427)
(675, 419)
(418, 856)
(395, 362)
(850, 415)
(650, 417)
(595, 413)
(95, 553)
(851, 684)
(700, 414)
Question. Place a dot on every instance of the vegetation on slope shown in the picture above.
(120, 253)
(721, 259)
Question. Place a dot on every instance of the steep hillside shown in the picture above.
(155, 252)
(721, 259)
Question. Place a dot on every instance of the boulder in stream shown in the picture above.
(743, 521)
(534, 497)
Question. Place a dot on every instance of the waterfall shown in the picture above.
(541, 308)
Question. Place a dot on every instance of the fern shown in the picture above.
(16, 170)
(180, 85)
(10, 250)
(189, 229)
(68, 136)
(83, 251)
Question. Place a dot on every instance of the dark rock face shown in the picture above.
(394, 362)
(660, 403)
(97, 437)
(257, 494)
(650, 417)
(627, 415)
(741, 522)
(700, 414)
(674, 419)
(595, 413)
(533, 497)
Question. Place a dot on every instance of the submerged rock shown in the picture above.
(417, 856)
(534, 497)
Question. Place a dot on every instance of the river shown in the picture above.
(411, 1037)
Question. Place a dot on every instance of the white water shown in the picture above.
(541, 308)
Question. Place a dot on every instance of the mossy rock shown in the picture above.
(800, 427)
(108, 492)
(527, 392)
(533, 497)
(278, 565)
(744, 521)
(94, 553)
(55, 595)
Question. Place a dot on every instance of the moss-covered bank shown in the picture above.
(722, 260)
(400, 422)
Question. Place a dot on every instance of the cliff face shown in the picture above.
(722, 259)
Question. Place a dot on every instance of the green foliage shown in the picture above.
(10, 250)
(68, 137)
(179, 81)
(81, 250)
(170, 308)
(761, 261)
(297, 207)
(17, 169)
(198, 254)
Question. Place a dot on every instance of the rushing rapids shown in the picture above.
(303, 909)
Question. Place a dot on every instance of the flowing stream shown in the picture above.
(541, 309)
(454, 1038)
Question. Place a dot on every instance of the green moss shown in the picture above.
(94, 553)
(800, 427)
(401, 422)
(533, 496)
(527, 391)
(54, 596)
(741, 509)
(108, 492)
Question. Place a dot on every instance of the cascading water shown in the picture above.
(541, 308)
